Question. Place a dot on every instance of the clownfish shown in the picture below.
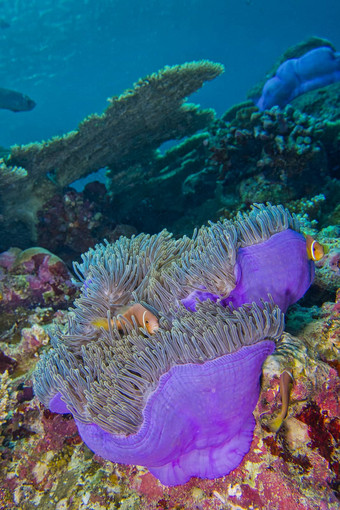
(286, 382)
(315, 250)
(143, 317)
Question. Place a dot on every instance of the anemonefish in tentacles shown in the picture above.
(143, 317)
(315, 250)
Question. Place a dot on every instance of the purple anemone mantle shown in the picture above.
(278, 267)
(317, 68)
(203, 432)
(179, 401)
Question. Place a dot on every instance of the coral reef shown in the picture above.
(130, 129)
(277, 155)
(288, 155)
(79, 220)
(45, 464)
(284, 147)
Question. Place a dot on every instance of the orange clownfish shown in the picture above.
(315, 250)
(143, 317)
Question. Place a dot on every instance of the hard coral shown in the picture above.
(279, 147)
(6, 400)
(130, 129)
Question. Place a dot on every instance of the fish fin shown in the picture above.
(150, 308)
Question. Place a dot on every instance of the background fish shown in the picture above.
(15, 101)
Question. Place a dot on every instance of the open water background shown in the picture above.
(71, 55)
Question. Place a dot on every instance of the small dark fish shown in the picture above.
(15, 101)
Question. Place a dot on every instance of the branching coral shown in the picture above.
(277, 150)
(6, 402)
(129, 130)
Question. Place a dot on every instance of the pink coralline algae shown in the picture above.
(34, 276)
(334, 261)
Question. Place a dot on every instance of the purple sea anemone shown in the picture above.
(179, 401)
(316, 68)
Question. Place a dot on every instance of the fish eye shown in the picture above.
(146, 322)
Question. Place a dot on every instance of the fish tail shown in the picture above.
(100, 322)
(276, 423)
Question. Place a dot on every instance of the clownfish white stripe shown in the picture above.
(144, 325)
(312, 250)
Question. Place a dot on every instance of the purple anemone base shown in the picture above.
(198, 421)
(279, 267)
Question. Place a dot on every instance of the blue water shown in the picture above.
(71, 55)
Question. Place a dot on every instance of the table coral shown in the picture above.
(10, 174)
(133, 126)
